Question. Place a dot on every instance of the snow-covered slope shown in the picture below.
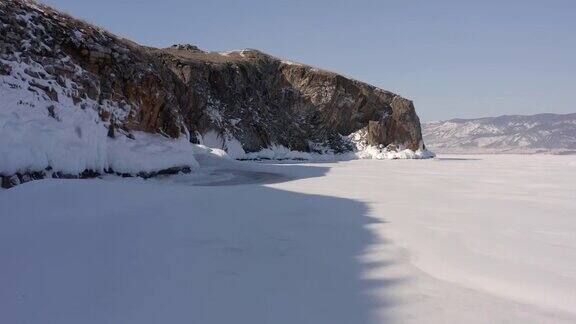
(550, 133)
(447, 240)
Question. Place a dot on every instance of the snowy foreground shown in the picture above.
(468, 239)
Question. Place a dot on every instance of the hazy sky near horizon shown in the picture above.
(454, 58)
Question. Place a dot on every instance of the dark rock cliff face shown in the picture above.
(263, 100)
(246, 95)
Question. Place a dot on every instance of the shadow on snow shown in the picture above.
(76, 251)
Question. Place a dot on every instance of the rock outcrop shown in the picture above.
(240, 101)
(261, 100)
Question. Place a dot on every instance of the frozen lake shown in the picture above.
(456, 239)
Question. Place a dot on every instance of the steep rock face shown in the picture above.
(261, 100)
(90, 95)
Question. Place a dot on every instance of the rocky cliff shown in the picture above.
(53, 66)
(261, 100)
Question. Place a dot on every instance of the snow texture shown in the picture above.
(476, 239)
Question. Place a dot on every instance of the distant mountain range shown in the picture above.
(542, 133)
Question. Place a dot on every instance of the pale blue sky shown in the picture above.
(454, 58)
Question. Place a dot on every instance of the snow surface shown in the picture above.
(279, 152)
(241, 52)
(474, 239)
(228, 144)
(287, 62)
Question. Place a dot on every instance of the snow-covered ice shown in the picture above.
(456, 239)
